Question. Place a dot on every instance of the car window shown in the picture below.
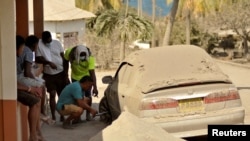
(127, 74)
(124, 72)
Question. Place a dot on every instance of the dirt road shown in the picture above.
(240, 76)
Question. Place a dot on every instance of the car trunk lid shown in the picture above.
(190, 100)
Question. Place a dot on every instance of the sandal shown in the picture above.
(48, 120)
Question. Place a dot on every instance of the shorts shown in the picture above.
(26, 98)
(69, 109)
(55, 82)
(38, 82)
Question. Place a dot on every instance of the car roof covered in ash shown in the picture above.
(168, 66)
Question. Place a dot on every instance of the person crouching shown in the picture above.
(72, 101)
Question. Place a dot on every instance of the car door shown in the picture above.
(119, 87)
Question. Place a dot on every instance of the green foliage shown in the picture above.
(128, 26)
(197, 36)
(95, 5)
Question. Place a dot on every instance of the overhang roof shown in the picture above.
(60, 10)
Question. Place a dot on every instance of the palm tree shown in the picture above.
(185, 9)
(198, 8)
(153, 22)
(166, 40)
(128, 26)
(139, 7)
(94, 5)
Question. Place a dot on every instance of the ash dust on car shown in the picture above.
(179, 88)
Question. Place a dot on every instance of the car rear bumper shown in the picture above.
(196, 125)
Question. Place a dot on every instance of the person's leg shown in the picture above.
(33, 117)
(74, 113)
(89, 101)
(52, 103)
(43, 100)
(61, 83)
(38, 127)
(33, 114)
(51, 89)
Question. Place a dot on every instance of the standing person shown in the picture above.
(73, 101)
(25, 63)
(55, 71)
(25, 60)
(82, 64)
(29, 96)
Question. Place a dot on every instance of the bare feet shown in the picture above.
(40, 138)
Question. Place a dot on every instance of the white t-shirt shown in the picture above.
(51, 54)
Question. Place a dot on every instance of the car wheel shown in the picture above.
(103, 107)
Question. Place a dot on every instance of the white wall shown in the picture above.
(7, 51)
(62, 27)
(8, 58)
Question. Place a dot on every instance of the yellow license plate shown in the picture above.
(191, 105)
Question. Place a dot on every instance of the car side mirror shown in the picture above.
(107, 79)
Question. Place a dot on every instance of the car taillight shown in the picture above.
(222, 96)
(163, 103)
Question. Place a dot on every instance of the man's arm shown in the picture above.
(28, 70)
(33, 90)
(65, 64)
(93, 76)
(42, 60)
(22, 87)
(82, 103)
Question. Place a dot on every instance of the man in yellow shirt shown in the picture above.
(82, 64)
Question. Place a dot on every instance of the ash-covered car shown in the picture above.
(179, 87)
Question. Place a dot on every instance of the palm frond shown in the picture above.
(129, 27)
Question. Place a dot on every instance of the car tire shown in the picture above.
(103, 107)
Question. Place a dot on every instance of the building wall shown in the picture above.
(63, 27)
(8, 105)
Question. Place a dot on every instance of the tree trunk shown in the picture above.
(138, 7)
(139, 2)
(166, 40)
(245, 46)
(126, 9)
(153, 22)
(188, 27)
(122, 51)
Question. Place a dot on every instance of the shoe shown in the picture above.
(47, 120)
(62, 119)
(89, 117)
(67, 125)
